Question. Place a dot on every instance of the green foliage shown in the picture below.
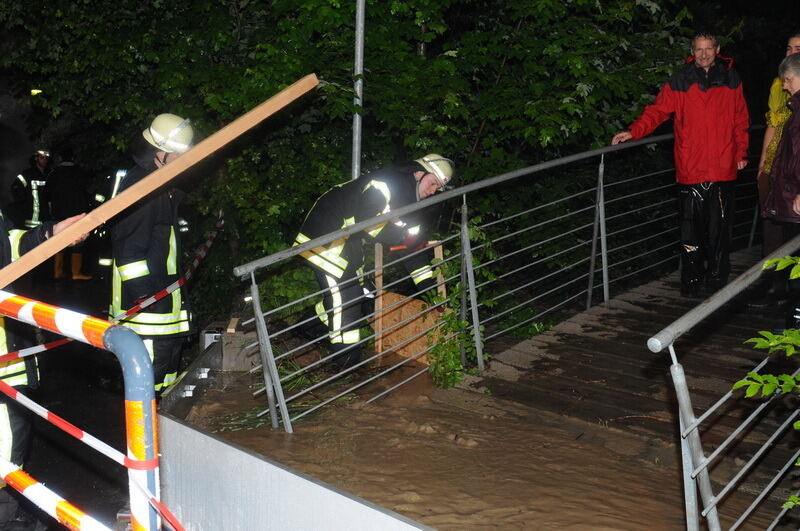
(495, 86)
(788, 341)
(779, 264)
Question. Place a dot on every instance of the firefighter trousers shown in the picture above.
(341, 312)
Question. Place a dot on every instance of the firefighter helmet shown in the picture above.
(441, 168)
(169, 133)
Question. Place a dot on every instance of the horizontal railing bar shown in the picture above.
(537, 244)
(646, 207)
(244, 270)
(540, 279)
(623, 277)
(719, 403)
(747, 466)
(639, 177)
(635, 194)
(538, 207)
(634, 227)
(403, 382)
(526, 321)
(539, 296)
(526, 266)
(542, 224)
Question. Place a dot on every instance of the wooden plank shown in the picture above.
(155, 180)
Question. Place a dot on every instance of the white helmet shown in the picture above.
(169, 133)
(439, 166)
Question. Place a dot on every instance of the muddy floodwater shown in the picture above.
(461, 459)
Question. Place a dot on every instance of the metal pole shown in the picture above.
(473, 295)
(272, 380)
(695, 446)
(358, 100)
(463, 311)
(601, 213)
(689, 487)
(595, 230)
(140, 414)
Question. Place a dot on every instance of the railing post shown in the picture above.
(140, 420)
(272, 380)
(756, 213)
(689, 486)
(466, 248)
(599, 226)
(463, 312)
(694, 444)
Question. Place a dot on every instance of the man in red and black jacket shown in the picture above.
(706, 101)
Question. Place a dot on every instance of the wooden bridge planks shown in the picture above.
(595, 366)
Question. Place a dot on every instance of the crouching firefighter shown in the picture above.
(338, 265)
(146, 251)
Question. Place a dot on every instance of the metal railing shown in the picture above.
(142, 447)
(696, 464)
(576, 229)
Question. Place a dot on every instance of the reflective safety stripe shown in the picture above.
(13, 372)
(158, 318)
(117, 180)
(22, 180)
(104, 261)
(414, 230)
(34, 221)
(172, 263)
(374, 231)
(99, 198)
(15, 237)
(347, 338)
(328, 259)
(133, 270)
(348, 222)
(336, 297)
(383, 188)
(423, 273)
(157, 330)
(319, 308)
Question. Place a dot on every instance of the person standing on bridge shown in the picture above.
(782, 204)
(338, 264)
(706, 101)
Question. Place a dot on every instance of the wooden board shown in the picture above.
(155, 180)
(398, 308)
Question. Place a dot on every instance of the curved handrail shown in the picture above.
(244, 270)
(687, 321)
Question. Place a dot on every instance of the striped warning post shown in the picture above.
(77, 326)
(47, 500)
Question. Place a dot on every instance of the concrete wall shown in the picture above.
(213, 485)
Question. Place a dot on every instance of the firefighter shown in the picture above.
(337, 265)
(21, 373)
(146, 253)
(29, 206)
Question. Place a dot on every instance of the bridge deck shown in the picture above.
(595, 366)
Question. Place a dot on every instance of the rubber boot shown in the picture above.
(77, 262)
(58, 266)
(350, 355)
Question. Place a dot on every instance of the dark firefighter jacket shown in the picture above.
(711, 121)
(146, 259)
(14, 244)
(374, 193)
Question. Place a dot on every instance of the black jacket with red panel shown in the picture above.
(711, 121)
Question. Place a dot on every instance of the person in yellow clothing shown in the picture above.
(776, 117)
(771, 231)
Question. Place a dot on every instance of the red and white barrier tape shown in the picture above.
(199, 257)
(47, 500)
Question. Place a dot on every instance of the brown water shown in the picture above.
(458, 459)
